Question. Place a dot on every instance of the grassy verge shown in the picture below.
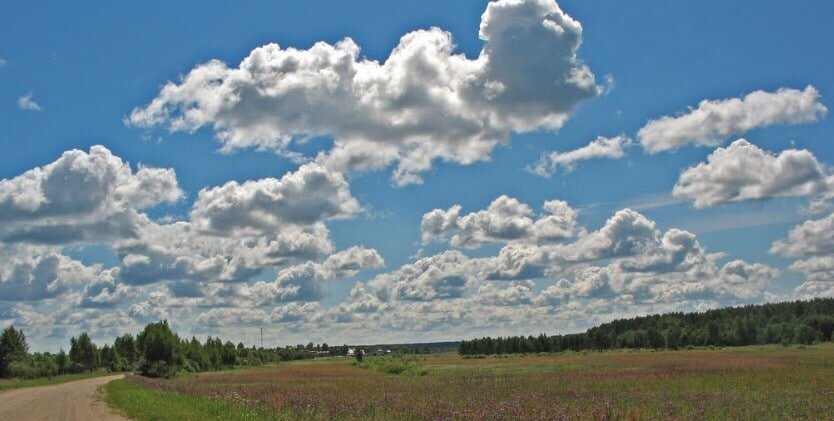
(143, 403)
(47, 381)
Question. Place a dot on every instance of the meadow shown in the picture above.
(755, 382)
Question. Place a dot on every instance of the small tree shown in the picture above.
(13, 348)
(84, 355)
(125, 346)
(359, 354)
(62, 361)
(158, 347)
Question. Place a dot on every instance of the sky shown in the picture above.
(372, 172)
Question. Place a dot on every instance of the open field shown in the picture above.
(744, 383)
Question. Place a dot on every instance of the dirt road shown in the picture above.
(70, 401)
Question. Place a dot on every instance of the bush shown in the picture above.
(395, 366)
(22, 370)
(158, 369)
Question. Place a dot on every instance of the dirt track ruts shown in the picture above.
(71, 401)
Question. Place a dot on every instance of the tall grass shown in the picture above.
(396, 365)
(143, 403)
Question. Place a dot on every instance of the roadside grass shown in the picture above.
(757, 382)
(6, 384)
(143, 403)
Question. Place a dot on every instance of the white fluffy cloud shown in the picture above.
(305, 282)
(36, 273)
(504, 220)
(26, 102)
(712, 122)
(812, 242)
(599, 148)
(424, 102)
(442, 276)
(237, 230)
(743, 171)
(261, 207)
(81, 197)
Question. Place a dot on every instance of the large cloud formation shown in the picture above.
(172, 270)
(712, 122)
(81, 197)
(743, 171)
(424, 102)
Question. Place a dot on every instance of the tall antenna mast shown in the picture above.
(262, 337)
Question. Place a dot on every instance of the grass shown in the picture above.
(48, 381)
(144, 403)
(759, 382)
(396, 365)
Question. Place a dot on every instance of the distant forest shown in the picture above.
(798, 322)
(155, 352)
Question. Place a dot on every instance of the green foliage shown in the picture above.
(13, 348)
(125, 346)
(155, 352)
(801, 322)
(159, 347)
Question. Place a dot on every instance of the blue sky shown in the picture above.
(86, 73)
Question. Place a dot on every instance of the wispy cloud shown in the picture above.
(26, 102)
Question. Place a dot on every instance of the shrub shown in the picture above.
(158, 369)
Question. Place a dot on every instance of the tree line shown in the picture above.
(155, 352)
(797, 322)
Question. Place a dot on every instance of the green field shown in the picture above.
(758, 382)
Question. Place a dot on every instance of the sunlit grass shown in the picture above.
(143, 403)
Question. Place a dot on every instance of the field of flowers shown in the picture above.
(743, 383)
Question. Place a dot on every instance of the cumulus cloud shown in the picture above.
(106, 291)
(305, 282)
(811, 238)
(743, 171)
(442, 276)
(178, 251)
(36, 273)
(422, 103)
(26, 102)
(300, 198)
(504, 220)
(713, 121)
(237, 230)
(599, 148)
(812, 244)
(81, 197)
